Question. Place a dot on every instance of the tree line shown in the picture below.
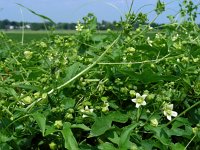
(6, 24)
(9, 25)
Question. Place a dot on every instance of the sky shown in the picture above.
(74, 10)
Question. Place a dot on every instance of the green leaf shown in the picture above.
(180, 122)
(41, 121)
(101, 125)
(68, 102)
(3, 90)
(118, 117)
(4, 138)
(177, 146)
(39, 15)
(12, 92)
(125, 136)
(160, 7)
(71, 71)
(50, 130)
(70, 141)
(5, 146)
(28, 87)
(81, 126)
(160, 133)
(147, 144)
(114, 138)
(98, 38)
(149, 76)
(162, 136)
(107, 146)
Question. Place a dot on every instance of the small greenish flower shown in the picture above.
(168, 111)
(175, 37)
(86, 111)
(68, 116)
(150, 28)
(131, 49)
(139, 100)
(36, 95)
(58, 124)
(43, 44)
(44, 95)
(27, 100)
(28, 54)
(105, 107)
(149, 41)
(79, 27)
(195, 130)
(52, 146)
(154, 122)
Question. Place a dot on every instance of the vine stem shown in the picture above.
(78, 75)
(196, 104)
(22, 42)
(132, 63)
(138, 114)
(190, 142)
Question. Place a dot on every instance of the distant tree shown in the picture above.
(37, 26)
(4, 24)
(14, 23)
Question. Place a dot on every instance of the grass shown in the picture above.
(16, 35)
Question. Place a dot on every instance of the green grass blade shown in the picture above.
(39, 15)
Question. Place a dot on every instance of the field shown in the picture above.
(16, 35)
(114, 90)
(29, 35)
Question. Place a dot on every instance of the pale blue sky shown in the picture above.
(74, 10)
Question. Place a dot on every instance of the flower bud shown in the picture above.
(28, 54)
(58, 124)
(27, 100)
(154, 122)
(52, 146)
(132, 93)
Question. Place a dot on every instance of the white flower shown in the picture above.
(86, 111)
(79, 27)
(139, 100)
(167, 110)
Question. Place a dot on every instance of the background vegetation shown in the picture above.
(123, 90)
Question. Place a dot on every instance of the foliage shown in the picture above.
(81, 91)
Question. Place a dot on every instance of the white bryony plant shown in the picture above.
(168, 111)
(86, 111)
(139, 100)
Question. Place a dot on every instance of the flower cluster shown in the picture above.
(167, 109)
(86, 111)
